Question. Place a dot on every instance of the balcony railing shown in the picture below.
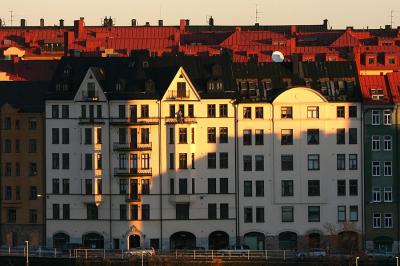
(132, 172)
(134, 121)
(182, 198)
(132, 146)
(133, 198)
(90, 120)
(180, 120)
(172, 95)
(90, 96)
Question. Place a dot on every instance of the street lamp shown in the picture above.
(397, 261)
(27, 253)
(357, 258)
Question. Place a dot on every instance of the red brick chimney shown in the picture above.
(182, 24)
(293, 29)
(79, 28)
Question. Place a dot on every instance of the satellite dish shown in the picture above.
(277, 57)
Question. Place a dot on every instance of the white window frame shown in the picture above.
(387, 117)
(313, 112)
(376, 117)
(376, 143)
(387, 194)
(376, 221)
(376, 168)
(386, 218)
(387, 143)
(387, 168)
(376, 194)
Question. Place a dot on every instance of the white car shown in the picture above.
(317, 252)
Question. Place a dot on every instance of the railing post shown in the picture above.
(55, 253)
(24, 252)
(194, 254)
(266, 254)
(248, 254)
(284, 255)
(176, 254)
(86, 253)
(9, 251)
(122, 253)
(104, 253)
(40, 251)
(70, 253)
(212, 254)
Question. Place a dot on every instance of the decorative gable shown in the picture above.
(181, 88)
(90, 89)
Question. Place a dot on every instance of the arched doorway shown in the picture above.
(60, 240)
(314, 240)
(93, 240)
(218, 240)
(383, 243)
(348, 242)
(182, 240)
(134, 241)
(288, 240)
(255, 240)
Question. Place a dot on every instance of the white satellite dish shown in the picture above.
(277, 57)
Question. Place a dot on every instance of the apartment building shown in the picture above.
(186, 152)
(22, 188)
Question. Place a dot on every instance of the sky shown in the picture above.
(340, 13)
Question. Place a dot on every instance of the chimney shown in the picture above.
(293, 30)
(160, 22)
(187, 22)
(133, 22)
(1, 22)
(42, 22)
(23, 22)
(147, 24)
(182, 24)
(61, 23)
(257, 24)
(238, 28)
(325, 24)
(388, 27)
(211, 21)
(110, 22)
(79, 28)
(349, 28)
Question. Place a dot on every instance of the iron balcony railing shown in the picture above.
(127, 172)
(131, 146)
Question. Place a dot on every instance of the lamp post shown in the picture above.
(397, 261)
(27, 253)
(357, 258)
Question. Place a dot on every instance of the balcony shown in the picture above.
(91, 96)
(134, 121)
(132, 146)
(90, 121)
(182, 198)
(180, 120)
(133, 198)
(175, 95)
(132, 172)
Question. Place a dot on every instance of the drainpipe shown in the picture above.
(110, 173)
(235, 106)
(1, 177)
(44, 240)
(160, 174)
(363, 199)
(398, 183)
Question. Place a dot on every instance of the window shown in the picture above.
(83, 111)
(312, 136)
(376, 220)
(286, 112)
(223, 110)
(388, 219)
(181, 89)
(259, 137)
(376, 117)
(247, 163)
(387, 117)
(145, 135)
(191, 110)
(212, 160)
(287, 137)
(183, 135)
(340, 136)
(313, 162)
(99, 186)
(65, 161)
(376, 143)
(287, 188)
(376, 194)
(17, 169)
(7, 146)
(260, 215)
(259, 188)
(7, 123)
(387, 143)
(56, 211)
(341, 162)
(183, 186)
(32, 216)
(65, 186)
(352, 111)
(88, 161)
(64, 111)
(92, 211)
(172, 110)
(55, 160)
(66, 212)
(313, 188)
(212, 211)
(376, 168)
(134, 212)
(32, 193)
(88, 186)
(56, 186)
(32, 123)
(99, 111)
(248, 215)
(145, 161)
(88, 136)
(210, 110)
(313, 213)
(8, 193)
(144, 111)
(352, 135)
(341, 187)
(287, 214)
(211, 135)
(171, 136)
(387, 194)
(171, 186)
(247, 112)
(17, 146)
(123, 186)
(247, 189)
(32, 146)
(287, 162)
(182, 211)
(387, 168)
(11, 215)
(65, 135)
(340, 111)
(55, 133)
(55, 111)
(259, 162)
(247, 137)
(259, 112)
(212, 185)
(192, 135)
(223, 185)
(312, 112)
(223, 135)
(7, 171)
(145, 186)
(224, 211)
(353, 162)
(223, 160)
(353, 186)
(341, 213)
(123, 212)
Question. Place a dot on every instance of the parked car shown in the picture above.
(380, 255)
(317, 252)
(140, 251)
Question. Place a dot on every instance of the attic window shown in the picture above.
(118, 86)
(392, 60)
(287, 82)
(180, 76)
(145, 64)
(181, 90)
(371, 60)
(65, 87)
(377, 94)
(90, 76)
(150, 85)
(66, 71)
(215, 85)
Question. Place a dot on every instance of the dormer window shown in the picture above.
(91, 90)
(215, 85)
(181, 90)
(371, 60)
(392, 60)
(377, 94)
(65, 87)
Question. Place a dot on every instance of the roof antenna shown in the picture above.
(257, 14)
(11, 17)
(391, 18)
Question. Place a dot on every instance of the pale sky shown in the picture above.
(341, 13)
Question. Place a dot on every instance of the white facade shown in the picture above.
(141, 137)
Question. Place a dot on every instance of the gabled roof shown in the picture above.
(346, 39)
